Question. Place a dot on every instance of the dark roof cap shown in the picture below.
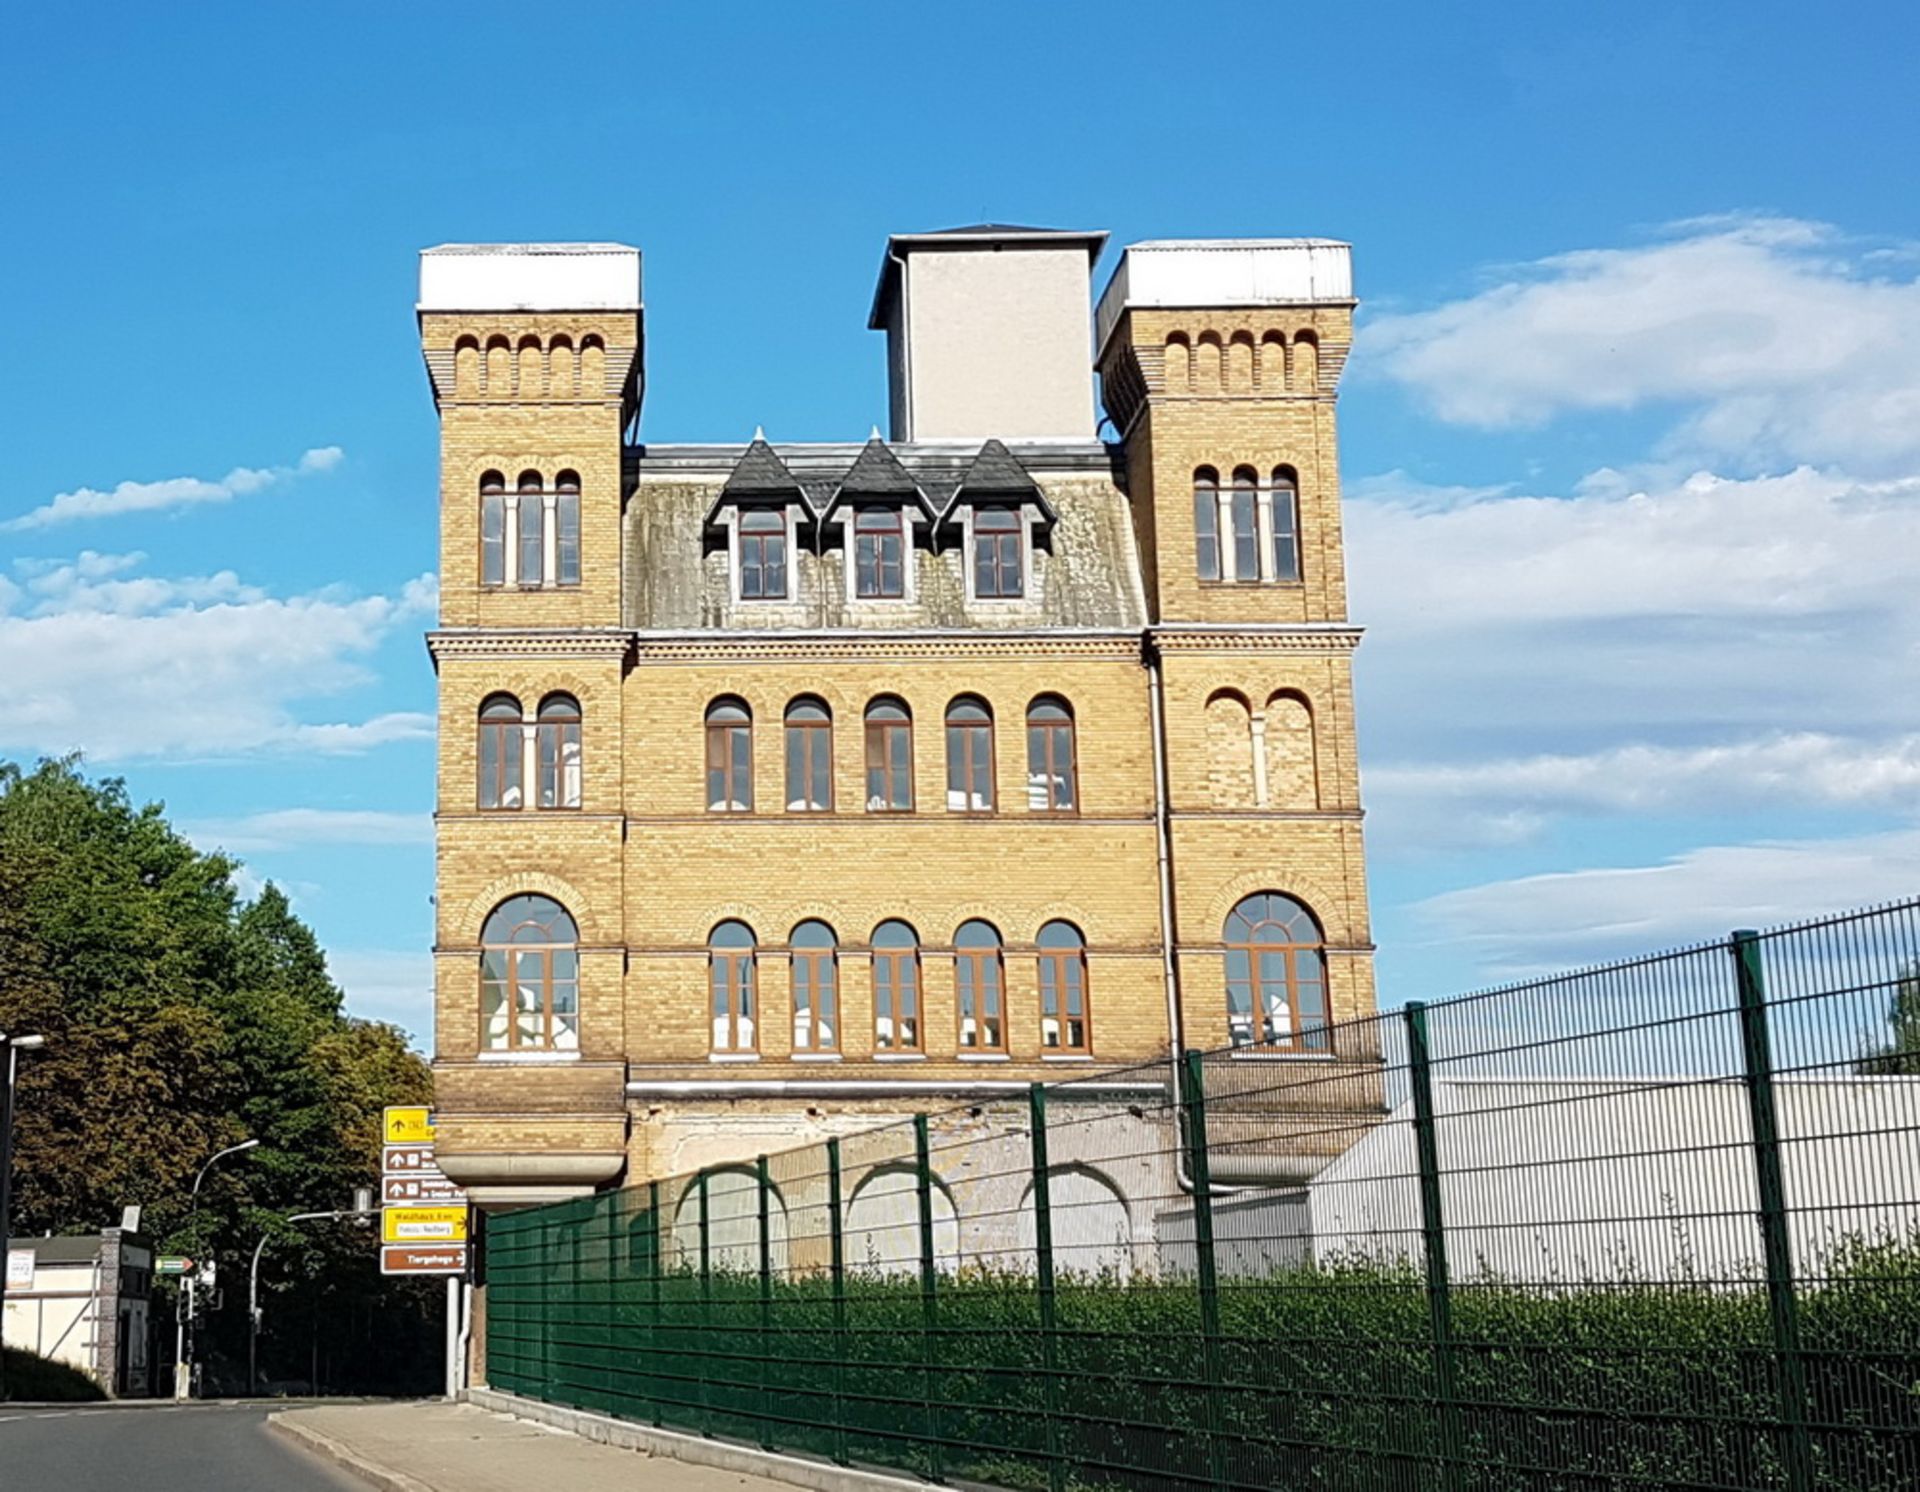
(760, 473)
(877, 475)
(994, 475)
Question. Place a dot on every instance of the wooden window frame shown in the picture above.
(980, 975)
(998, 544)
(898, 961)
(509, 738)
(1285, 486)
(1056, 967)
(879, 740)
(549, 986)
(815, 960)
(816, 742)
(972, 733)
(871, 540)
(566, 529)
(1049, 730)
(551, 735)
(1206, 526)
(1251, 948)
(1244, 502)
(720, 758)
(493, 516)
(535, 498)
(753, 555)
(732, 971)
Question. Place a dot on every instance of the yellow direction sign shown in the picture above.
(409, 1124)
(423, 1225)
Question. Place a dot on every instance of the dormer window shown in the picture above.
(879, 554)
(999, 542)
(763, 555)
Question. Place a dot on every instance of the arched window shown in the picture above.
(729, 757)
(816, 988)
(969, 755)
(1051, 768)
(889, 757)
(493, 529)
(1206, 522)
(730, 981)
(1276, 975)
(499, 753)
(530, 977)
(531, 512)
(1244, 509)
(763, 555)
(1065, 1020)
(1285, 495)
(997, 569)
(566, 516)
(879, 553)
(979, 983)
(809, 757)
(557, 743)
(896, 988)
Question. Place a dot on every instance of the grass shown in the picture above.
(32, 1378)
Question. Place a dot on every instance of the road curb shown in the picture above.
(696, 1450)
(326, 1447)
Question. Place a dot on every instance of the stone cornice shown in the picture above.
(1255, 637)
(854, 645)
(496, 642)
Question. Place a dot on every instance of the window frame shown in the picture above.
(493, 530)
(534, 496)
(979, 990)
(815, 738)
(879, 743)
(901, 961)
(720, 732)
(558, 723)
(566, 529)
(509, 738)
(1007, 534)
(550, 987)
(1306, 1034)
(1207, 554)
(1243, 503)
(822, 963)
(733, 983)
(749, 540)
(1285, 484)
(873, 536)
(1061, 971)
(1047, 731)
(973, 734)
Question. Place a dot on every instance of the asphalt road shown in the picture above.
(140, 1448)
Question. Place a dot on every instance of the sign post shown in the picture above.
(423, 1215)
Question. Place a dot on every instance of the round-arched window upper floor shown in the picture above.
(732, 981)
(530, 977)
(512, 751)
(1276, 975)
(1066, 1018)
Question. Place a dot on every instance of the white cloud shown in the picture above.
(1780, 341)
(1527, 926)
(384, 984)
(286, 828)
(120, 665)
(171, 492)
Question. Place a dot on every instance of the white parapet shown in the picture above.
(530, 277)
(1223, 272)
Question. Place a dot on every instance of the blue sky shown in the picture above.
(1631, 435)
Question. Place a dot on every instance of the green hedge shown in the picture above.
(35, 1379)
(1326, 1375)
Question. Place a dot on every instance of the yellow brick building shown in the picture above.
(785, 788)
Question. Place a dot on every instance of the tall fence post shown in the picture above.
(704, 1334)
(1206, 1277)
(659, 1264)
(765, 1353)
(1756, 1047)
(922, 1151)
(1043, 1269)
(838, 1244)
(1433, 1234)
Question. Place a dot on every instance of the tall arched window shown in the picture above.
(499, 752)
(889, 757)
(530, 977)
(1066, 1025)
(1244, 510)
(816, 988)
(1285, 497)
(1206, 522)
(1051, 768)
(809, 756)
(979, 984)
(1276, 975)
(896, 988)
(493, 529)
(969, 755)
(557, 742)
(531, 513)
(730, 980)
(566, 523)
(729, 757)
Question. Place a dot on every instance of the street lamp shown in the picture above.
(362, 1211)
(13, 1046)
(183, 1319)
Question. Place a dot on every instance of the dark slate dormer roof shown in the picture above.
(759, 476)
(995, 476)
(877, 476)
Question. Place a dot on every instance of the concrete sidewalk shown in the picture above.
(439, 1447)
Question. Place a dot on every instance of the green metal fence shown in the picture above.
(1655, 1224)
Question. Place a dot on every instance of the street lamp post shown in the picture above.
(183, 1318)
(362, 1208)
(12, 1046)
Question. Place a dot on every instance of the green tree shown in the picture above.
(1899, 1056)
